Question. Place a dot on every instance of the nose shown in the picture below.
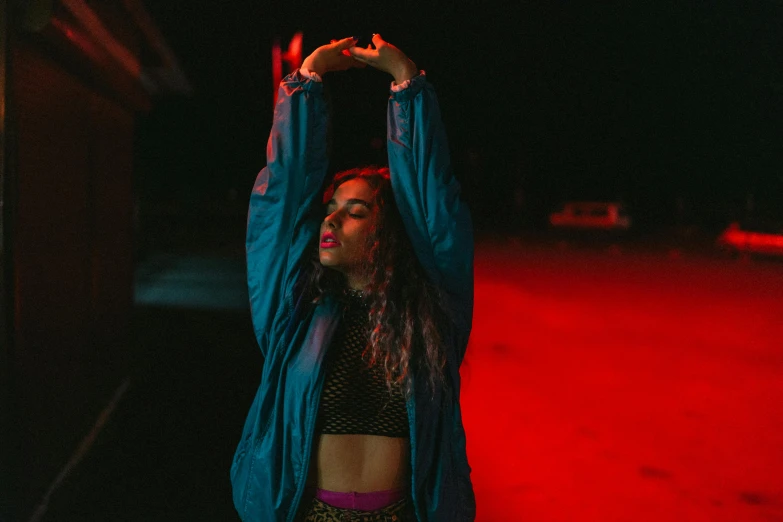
(331, 220)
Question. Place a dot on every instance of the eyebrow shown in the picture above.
(352, 201)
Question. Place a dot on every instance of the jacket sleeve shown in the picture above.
(281, 225)
(428, 197)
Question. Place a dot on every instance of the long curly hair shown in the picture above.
(406, 309)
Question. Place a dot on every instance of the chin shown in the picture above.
(327, 260)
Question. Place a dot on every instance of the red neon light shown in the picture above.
(747, 240)
(293, 57)
(277, 69)
(740, 238)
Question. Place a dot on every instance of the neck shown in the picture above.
(355, 283)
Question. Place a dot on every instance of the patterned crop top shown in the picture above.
(355, 398)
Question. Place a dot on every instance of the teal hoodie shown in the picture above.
(270, 465)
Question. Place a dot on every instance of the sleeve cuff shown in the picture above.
(395, 87)
(409, 89)
(298, 80)
(310, 75)
(398, 87)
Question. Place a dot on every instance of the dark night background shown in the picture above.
(674, 108)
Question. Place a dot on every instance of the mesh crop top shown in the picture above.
(355, 398)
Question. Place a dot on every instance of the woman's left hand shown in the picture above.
(386, 57)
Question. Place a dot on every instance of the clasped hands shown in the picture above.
(340, 55)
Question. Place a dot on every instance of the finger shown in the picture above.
(377, 40)
(344, 52)
(345, 43)
(358, 63)
(363, 55)
(346, 62)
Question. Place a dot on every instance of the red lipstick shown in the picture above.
(329, 240)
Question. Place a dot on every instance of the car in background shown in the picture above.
(595, 215)
(753, 238)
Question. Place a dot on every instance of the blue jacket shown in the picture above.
(271, 462)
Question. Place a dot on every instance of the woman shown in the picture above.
(357, 416)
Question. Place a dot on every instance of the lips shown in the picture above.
(328, 240)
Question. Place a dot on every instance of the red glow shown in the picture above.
(754, 241)
(624, 387)
(277, 69)
(293, 57)
(294, 54)
(590, 215)
(80, 40)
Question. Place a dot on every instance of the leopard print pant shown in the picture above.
(321, 512)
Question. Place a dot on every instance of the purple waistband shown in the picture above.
(372, 501)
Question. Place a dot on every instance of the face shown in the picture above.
(349, 221)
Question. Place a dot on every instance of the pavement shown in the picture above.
(615, 385)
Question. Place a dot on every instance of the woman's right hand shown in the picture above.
(331, 57)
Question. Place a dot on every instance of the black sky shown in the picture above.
(644, 101)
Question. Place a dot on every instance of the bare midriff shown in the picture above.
(359, 463)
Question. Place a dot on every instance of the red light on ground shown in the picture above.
(619, 381)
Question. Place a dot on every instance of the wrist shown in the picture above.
(313, 66)
(405, 72)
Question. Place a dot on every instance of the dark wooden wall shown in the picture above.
(72, 257)
(7, 418)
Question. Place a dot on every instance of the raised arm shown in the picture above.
(425, 190)
(428, 195)
(281, 224)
